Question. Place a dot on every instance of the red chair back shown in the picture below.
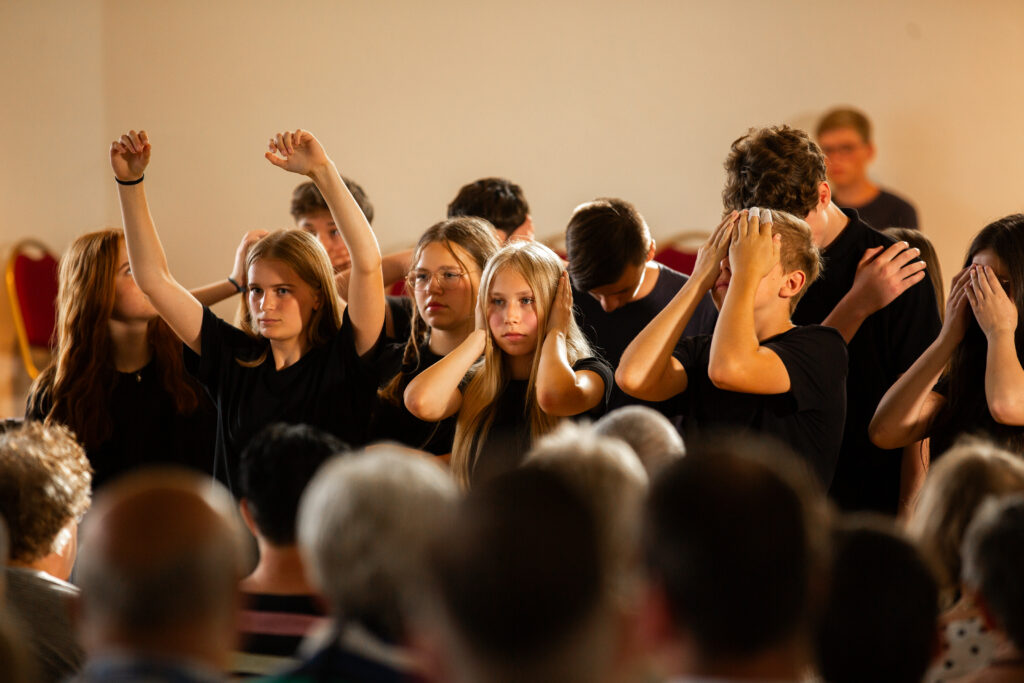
(32, 287)
(677, 259)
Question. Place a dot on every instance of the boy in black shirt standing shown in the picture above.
(758, 371)
(873, 291)
(617, 287)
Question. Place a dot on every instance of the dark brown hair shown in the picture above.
(497, 200)
(602, 238)
(776, 168)
(306, 199)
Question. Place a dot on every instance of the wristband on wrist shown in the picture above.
(238, 287)
(130, 182)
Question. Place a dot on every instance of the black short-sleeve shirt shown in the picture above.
(508, 440)
(330, 387)
(610, 333)
(146, 427)
(808, 418)
(885, 346)
(888, 210)
(394, 422)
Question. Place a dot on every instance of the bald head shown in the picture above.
(161, 552)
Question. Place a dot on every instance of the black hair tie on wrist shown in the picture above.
(130, 182)
(239, 287)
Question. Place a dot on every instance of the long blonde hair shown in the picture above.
(303, 253)
(541, 268)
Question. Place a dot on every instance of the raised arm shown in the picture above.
(738, 362)
(215, 292)
(907, 409)
(434, 393)
(129, 157)
(647, 369)
(300, 152)
(881, 277)
(997, 317)
(562, 391)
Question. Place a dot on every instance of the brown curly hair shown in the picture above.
(777, 168)
(45, 482)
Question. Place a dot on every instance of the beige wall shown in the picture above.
(571, 99)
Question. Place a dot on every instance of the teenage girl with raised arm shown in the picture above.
(299, 357)
(537, 366)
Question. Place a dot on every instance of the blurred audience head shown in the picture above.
(952, 492)
(498, 201)
(879, 622)
(993, 553)
(649, 433)
(162, 553)
(45, 482)
(275, 469)
(521, 591)
(734, 547)
(364, 525)
(609, 477)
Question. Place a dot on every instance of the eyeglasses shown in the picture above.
(420, 280)
(841, 150)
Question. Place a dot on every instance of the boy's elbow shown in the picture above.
(723, 372)
(631, 381)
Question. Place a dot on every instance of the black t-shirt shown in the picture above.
(401, 316)
(610, 333)
(888, 211)
(330, 388)
(808, 418)
(885, 346)
(394, 422)
(508, 440)
(146, 429)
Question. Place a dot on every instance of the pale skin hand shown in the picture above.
(561, 391)
(129, 157)
(300, 152)
(738, 362)
(883, 274)
(907, 409)
(997, 316)
(648, 370)
(214, 293)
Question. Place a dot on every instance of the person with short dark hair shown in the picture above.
(280, 607)
(758, 372)
(521, 592)
(733, 548)
(45, 484)
(311, 214)
(993, 557)
(845, 137)
(500, 202)
(879, 621)
(618, 287)
(872, 291)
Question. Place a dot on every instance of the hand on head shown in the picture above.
(129, 155)
(561, 307)
(754, 250)
(992, 308)
(709, 257)
(238, 272)
(885, 273)
(954, 323)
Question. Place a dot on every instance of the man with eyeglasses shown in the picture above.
(845, 137)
